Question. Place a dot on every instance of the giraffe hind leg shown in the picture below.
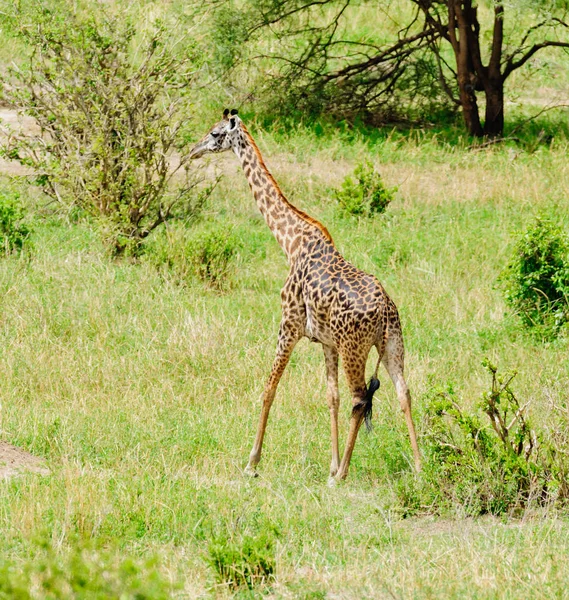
(394, 362)
(354, 367)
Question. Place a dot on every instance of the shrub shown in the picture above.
(83, 572)
(249, 562)
(14, 231)
(111, 102)
(536, 280)
(364, 194)
(211, 254)
(480, 466)
(207, 256)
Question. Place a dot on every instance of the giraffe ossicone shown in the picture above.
(324, 298)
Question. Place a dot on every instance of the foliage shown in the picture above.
(111, 101)
(364, 193)
(14, 230)
(83, 573)
(207, 255)
(495, 466)
(229, 35)
(211, 254)
(416, 59)
(171, 376)
(249, 562)
(536, 280)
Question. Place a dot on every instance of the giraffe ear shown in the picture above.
(233, 119)
(225, 113)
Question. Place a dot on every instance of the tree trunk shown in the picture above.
(462, 20)
(494, 120)
(469, 105)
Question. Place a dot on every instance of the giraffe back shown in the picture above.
(345, 307)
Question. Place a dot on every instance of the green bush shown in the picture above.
(249, 562)
(14, 231)
(211, 254)
(496, 465)
(207, 256)
(82, 573)
(364, 193)
(112, 100)
(536, 280)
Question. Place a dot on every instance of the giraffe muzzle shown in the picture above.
(197, 151)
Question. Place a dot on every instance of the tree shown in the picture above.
(457, 23)
(441, 41)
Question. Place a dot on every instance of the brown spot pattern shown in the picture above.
(326, 299)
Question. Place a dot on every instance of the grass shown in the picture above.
(143, 394)
(142, 389)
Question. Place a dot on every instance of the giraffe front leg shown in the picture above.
(333, 398)
(288, 337)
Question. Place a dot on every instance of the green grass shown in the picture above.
(143, 394)
(142, 389)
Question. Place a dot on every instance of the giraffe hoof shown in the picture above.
(251, 471)
(332, 482)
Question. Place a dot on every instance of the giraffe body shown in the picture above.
(325, 299)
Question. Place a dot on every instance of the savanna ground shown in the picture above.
(142, 393)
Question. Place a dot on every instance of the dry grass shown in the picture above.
(143, 395)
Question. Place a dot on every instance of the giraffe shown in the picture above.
(324, 298)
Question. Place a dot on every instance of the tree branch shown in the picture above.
(266, 20)
(393, 52)
(513, 65)
(497, 40)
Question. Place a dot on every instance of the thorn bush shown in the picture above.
(211, 253)
(497, 465)
(111, 100)
(207, 256)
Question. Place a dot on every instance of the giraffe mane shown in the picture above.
(305, 217)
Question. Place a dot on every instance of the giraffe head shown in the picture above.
(221, 136)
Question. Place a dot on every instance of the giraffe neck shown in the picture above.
(288, 224)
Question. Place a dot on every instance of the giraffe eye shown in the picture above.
(215, 134)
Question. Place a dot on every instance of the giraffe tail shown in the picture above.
(372, 387)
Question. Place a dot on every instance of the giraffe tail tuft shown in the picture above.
(372, 387)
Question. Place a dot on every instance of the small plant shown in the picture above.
(536, 280)
(14, 231)
(206, 256)
(486, 466)
(81, 572)
(248, 563)
(364, 193)
(111, 100)
(211, 254)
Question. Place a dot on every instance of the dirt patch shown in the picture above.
(11, 121)
(18, 122)
(14, 461)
